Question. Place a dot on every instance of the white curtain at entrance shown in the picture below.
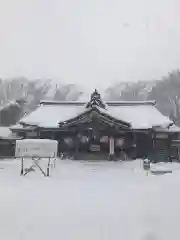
(104, 139)
(69, 141)
(111, 146)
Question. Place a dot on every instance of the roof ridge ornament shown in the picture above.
(96, 101)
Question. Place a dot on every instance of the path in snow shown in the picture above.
(89, 201)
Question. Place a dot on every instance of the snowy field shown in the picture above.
(90, 201)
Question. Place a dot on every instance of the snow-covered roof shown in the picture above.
(171, 129)
(174, 128)
(141, 115)
(74, 103)
(5, 132)
(27, 140)
(50, 115)
(20, 127)
(17, 126)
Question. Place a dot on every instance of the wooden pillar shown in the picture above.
(169, 148)
(154, 147)
(38, 134)
(111, 148)
(178, 153)
(134, 145)
(150, 147)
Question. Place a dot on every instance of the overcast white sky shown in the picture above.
(93, 42)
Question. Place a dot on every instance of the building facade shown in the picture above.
(103, 130)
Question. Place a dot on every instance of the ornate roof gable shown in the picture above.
(96, 101)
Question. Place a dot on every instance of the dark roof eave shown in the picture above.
(27, 124)
(24, 129)
(80, 117)
(130, 103)
(109, 103)
(75, 103)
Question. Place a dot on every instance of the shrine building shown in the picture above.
(112, 130)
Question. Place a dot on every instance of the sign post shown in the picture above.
(38, 150)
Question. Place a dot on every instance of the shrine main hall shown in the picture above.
(112, 130)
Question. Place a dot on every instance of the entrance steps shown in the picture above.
(93, 156)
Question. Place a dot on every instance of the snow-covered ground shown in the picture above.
(89, 201)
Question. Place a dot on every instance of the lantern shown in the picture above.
(104, 139)
(68, 141)
(84, 139)
(119, 142)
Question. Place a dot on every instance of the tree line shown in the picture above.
(165, 91)
(19, 96)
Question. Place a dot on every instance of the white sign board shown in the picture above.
(36, 148)
(161, 136)
(95, 148)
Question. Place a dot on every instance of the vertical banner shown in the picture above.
(111, 146)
